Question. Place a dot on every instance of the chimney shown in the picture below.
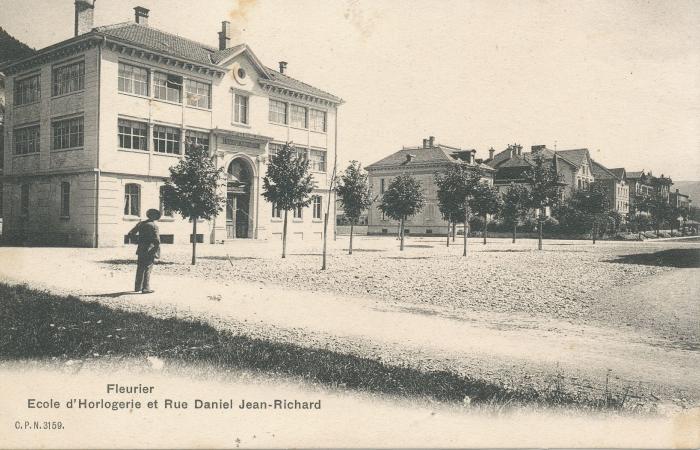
(519, 149)
(225, 35)
(431, 141)
(84, 12)
(491, 152)
(425, 143)
(472, 154)
(283, 66)
(141, 15)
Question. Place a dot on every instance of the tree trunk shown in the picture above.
(194, 240)
(539, 231)
(401, 234)
(448, 234)
(486, 226)
(466, 226)
(284, 236)
(325, 238)
(350, 248)
(515, 230)
(454, 230)
(594, 231)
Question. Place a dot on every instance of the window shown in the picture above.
(24, 200)
(317, 207)
(163, 210)
(26, 140)
(381, 186)
(65, 199)
(68, 78)
(167, 87)
(298, 212)
(197, 138)
(198, 94)
(27, 90)
(240, 108)
(317, 119)
(67, 133)
(133, 135)
(276, 212)
(278, 112)
(166, 140)
(317, 160)
(133, 80)
(298, 116)
(132, 200)
(273, 149)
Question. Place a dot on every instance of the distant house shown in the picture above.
(643, 184)
(422, 163)
(615, 183)
(573, 166)
(679, 200)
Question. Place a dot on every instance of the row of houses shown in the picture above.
(93, 123)
(576, 169)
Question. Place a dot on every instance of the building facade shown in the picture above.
(423, 163)
(614, 181)
(94, 123)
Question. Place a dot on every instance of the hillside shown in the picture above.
(691, 188)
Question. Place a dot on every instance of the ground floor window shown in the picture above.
(65, 199)
(317, 206)
(132, 200)
(298, 212)
(276, 212)
(166, 212)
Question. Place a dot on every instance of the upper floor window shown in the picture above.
(133, 135)
(278, 111)
(274, 148)
(197, 138)
(317, 160)
(27, 90)
(166, 139)
(298, 116)
(65, 199)
(240, 108)
(317, 206)
(26, 140)
(68, 78)
(317, 120)
(133, 80)
(132, 200)
(67, 133)
(198, 94)
(167, 87)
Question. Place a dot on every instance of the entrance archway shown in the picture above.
(239, 199)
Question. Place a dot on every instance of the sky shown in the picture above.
(621, 78)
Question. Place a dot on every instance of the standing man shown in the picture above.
(147, 251)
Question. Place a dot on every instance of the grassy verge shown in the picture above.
(38, 324)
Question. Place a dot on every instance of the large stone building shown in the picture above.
(94, 123)
(422, 163)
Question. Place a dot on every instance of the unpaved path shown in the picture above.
(502, 348)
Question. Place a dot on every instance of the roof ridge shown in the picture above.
(124, 24)
(298, 81)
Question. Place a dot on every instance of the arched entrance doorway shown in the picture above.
(239, 190)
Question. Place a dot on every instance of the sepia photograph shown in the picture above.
(349, 224)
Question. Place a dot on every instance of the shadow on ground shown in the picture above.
(677, 257)
(38, 324)
(133, 262)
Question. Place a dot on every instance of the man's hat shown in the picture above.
(153, 214)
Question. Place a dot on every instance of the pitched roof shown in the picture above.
(619, 172)
(160, 41)
(432, 155)
(180, 47)
(11, 48)
(601, 172)
(635, 175)
(578, 156)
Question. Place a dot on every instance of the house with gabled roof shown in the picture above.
(573, 166)
(423, 163)
(94, 123)
(615, 183)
